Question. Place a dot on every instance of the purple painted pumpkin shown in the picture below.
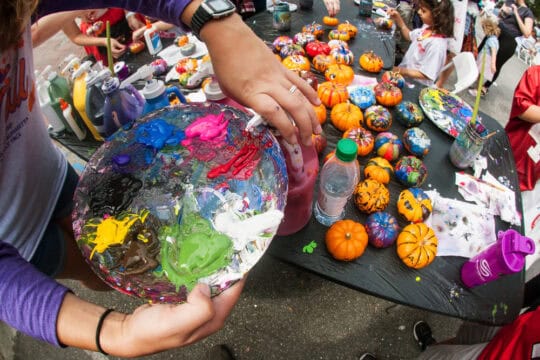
(382, 229)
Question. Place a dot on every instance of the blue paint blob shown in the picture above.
(121, 159)
(158, 133)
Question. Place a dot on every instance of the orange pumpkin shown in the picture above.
(296, 62)
(378, 169)
(363, 138)
(348, 27)
(346, 240)
(321, 62)
(314, 28)
(388, 94)
(417, 245)
(182, 40)
(332, 93)
(330, 20)
(371, 62)
(338, 35)
(342, 55)
(339, 73)
(345, 116)
(320, 111)
(371, 196)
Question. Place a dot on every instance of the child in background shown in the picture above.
(427, 53)
(490, 27)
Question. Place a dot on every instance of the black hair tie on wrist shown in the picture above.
(98, 329)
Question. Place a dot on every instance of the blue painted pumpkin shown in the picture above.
(410, 171)
(409, 114)
(416, 141)
(382, 229)
(363, 97)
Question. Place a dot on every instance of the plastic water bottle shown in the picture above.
(339, 176)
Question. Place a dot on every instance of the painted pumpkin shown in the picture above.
(345, 116)
(317, 47)
(382, 229)
(371, 62)
(348, 27)
(410, 171)
(342, 55)
(310, 78)
(321, 62)
(335, 44)
(332, 93)
(291, 49)
(417, 245)
(320, 142)
(363, 97)
(303, 38)
(346, 240)
(388, 146)
(384, 23)
(296, 63)
(362, 137)
(339, 73)
(330, 20)
(414, 205)
(393, 77)
(409, 114)
(371, 196)
(181, 40)
(281, 41)
(416, 141)
(186, 65)
(378, 169)
(377, 118)
(338, 35)
(320, 111)
(388, 94)
(314, 28)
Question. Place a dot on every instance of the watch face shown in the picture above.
(219, 6)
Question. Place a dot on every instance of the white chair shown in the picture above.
(466, 71)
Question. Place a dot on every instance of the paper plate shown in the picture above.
(183, 196)
(292, 7)
(446, 110)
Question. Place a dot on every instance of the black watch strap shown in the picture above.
(200, 17)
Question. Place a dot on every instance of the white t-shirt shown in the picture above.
(426, 54)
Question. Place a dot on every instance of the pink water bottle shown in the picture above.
(506, 256)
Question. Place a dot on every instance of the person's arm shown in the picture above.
(526, 26)
(158, 25)
(400, 23)
(133, 20)
(411, 73)
(49, 25)
(525, 103)
(493, 59)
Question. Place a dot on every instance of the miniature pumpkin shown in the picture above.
(330, 20)
(338, 35)
(345, 116)
(378, 169)
(371, 196)
(384, 23)
(310, 78)
(346, 240)
(371, 62)
(317, 47)
(414, 205)
(410, 171)
(387, 94)
(342, 55)
(339, 73)
(416, 141)
(314, 28)
(334, 44)
(291, 49)
(409, 114)
(332, 93)
(181, 40)
(348, 27)
(394, 77)
(378, 118)
(362, 137)
(388, 146)
(296, 62)
(382, 229)
(363, 97)
(321, 62)
(417, 245)
(281, 41)
(303, 38)
(186, 65)
(319, 141)
(320, 111)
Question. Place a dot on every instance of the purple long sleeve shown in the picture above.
(29, 300)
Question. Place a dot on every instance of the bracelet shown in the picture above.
(98, 329)
(130, 14)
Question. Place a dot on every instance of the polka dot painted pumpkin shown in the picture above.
(388, 94)
(342, 55)
(314, 28)
(410, 171)
(388, 146)
(371, 62)
(321, 62)
(377, 118)
(378, 169)
(371, 196)
(362, 137)
(296, 63)
(346, 240)
(338, 35)
(339, 73)
(416, 141)
(317, 47)
(345, 116)
(414, 205)
(382, 229)
(394, 77)
(348, 27)
(363, 97)
(417, 245)
(409, 114)
(332, 93)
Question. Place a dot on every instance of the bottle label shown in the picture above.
(155, 39)
(484, 270)
(331, 206)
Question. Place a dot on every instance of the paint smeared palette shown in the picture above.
(184, 195)
(447, 111)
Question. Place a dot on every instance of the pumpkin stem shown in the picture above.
(348, 235)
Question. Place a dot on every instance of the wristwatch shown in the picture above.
(210, 10)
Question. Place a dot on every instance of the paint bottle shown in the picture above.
(56, 123)
(59, 89)
(122, 105)
(302, 169)
(80, 132)
(213, 93)
(80, 77)
(95, 99)
(157, 95)
(153, 41)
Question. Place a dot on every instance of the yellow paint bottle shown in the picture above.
(79, 97)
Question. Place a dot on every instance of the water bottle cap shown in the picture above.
(110, 85)
(346, 150)
(514, 248)
(213, 91)
(153, 88)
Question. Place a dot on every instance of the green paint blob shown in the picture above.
(193, 250)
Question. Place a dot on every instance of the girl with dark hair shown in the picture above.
(427, 53)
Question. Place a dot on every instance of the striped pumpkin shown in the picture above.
(332, 93)
(417, 245)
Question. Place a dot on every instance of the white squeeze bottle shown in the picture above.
(153, 41)
(68, 115)
(339, 177)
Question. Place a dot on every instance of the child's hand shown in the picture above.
(137, 34)
(117, 48)
(332, 6)
(393, 13)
